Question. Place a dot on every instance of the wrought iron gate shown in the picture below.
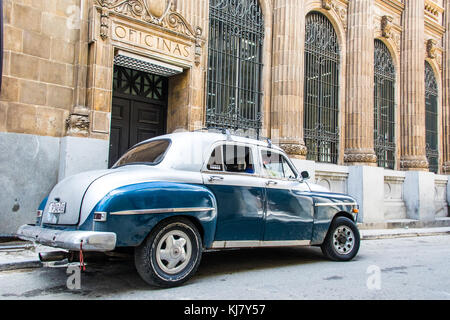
(384, 106)
(431, 118)
(235, 65)
(321, 116)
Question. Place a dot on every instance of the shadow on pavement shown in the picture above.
(104, 279)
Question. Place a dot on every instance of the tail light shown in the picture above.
(100, 216)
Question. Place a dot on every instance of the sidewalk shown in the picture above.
(24, 255)
(20, 255)
(402, 233)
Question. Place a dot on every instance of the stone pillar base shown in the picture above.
(366, 185)
(360, 157)
(294, 149)
(446, 168)
(419, 194)
(414, 163)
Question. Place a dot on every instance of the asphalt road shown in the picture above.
(407, 268)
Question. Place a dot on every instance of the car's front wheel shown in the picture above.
(170, 255)
(342, 241)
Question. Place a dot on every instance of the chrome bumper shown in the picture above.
(69, 240)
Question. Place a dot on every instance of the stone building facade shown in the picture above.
(356, 91)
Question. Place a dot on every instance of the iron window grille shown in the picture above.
(321, 116)
(235, 66)
(431, 118)
(384, 106)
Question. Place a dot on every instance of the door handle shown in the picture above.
(215, 178)
(271, 182)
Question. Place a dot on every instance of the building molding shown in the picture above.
(393, 5)
(147, 11)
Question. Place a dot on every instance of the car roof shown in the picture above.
(211, 138)
(190, 150)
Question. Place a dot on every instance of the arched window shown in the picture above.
(431, 118)
(321, 113)
(235, 65)
(384, 106)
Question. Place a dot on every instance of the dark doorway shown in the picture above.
(139, 109)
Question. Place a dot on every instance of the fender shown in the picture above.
(326, 207)
(134, 210)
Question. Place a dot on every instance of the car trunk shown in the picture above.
(68, 197)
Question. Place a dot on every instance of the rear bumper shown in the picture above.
(69, 240)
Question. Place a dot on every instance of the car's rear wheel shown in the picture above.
(170, 255)
(342, 241)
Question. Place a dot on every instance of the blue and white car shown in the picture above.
(173, 197)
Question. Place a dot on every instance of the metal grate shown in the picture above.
(384, 106)
(431, 118)
(235, 66)
(137, 83)
(321, 116)
(149, 66)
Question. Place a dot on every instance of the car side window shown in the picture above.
(232, 158)
(276, 165)
(215, 162)
(238, 159)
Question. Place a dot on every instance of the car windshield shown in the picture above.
(151, 153)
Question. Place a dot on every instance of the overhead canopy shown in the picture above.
(137, 62)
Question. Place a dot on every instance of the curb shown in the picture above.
(30, 264)
(392, 234)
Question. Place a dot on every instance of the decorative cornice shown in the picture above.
(78, 122)
(326, 4)
(386, 26)
(433, 10)
(434, 27)
(394, 5)
(340, 9)
(145, 10)
(431, 48)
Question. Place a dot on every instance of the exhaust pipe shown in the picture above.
(53, 256)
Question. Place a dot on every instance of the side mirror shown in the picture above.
(305, 175)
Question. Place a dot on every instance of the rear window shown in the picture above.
(151, 153)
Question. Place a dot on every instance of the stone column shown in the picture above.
(446, 92)
(412, 107)
(359, 116)
(190, 84)
(287, 77)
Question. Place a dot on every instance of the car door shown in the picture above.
(233, 176)
(289, 204)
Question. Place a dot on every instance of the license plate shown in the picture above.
(57, 207)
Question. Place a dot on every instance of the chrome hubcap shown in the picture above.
(173, 252)
(343, 240)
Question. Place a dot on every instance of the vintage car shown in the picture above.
(173, 197)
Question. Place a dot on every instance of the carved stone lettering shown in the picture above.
(152, 42)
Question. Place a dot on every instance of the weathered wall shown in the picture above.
(38, 83)
(28, 172)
